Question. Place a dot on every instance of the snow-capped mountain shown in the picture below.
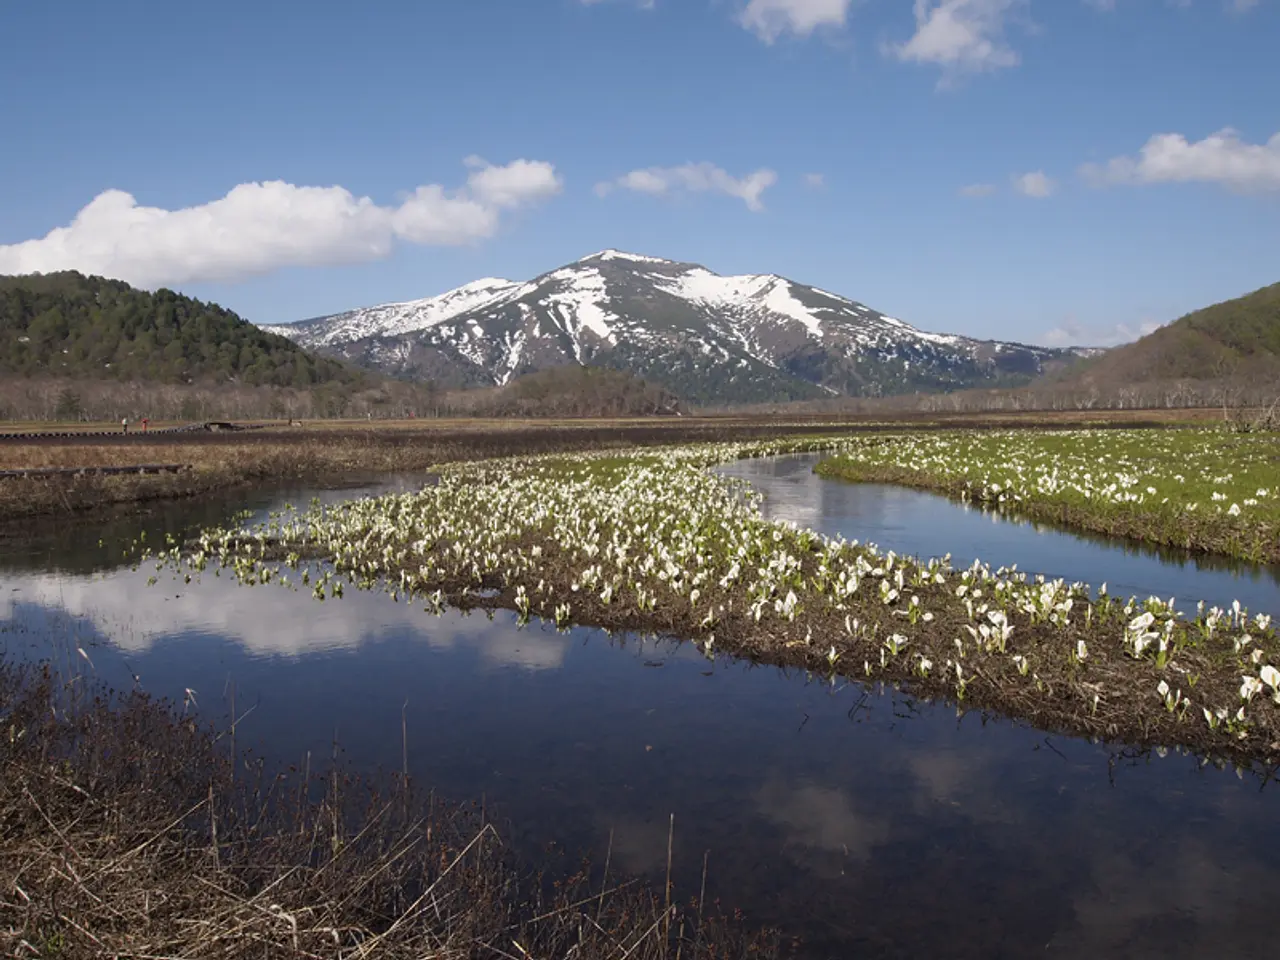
(709, 338)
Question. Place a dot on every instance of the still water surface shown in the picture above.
(924, 525)
(868, 824)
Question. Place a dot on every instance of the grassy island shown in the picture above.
(650, 540)
(1201, 489)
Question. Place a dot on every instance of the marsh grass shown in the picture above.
(129, 830)
(329, 454)
(1211, 491)
(654, 543)
(340, 451)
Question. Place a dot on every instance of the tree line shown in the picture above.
(70, 325)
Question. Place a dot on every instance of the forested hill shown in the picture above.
(1238, 338)
(67, 324)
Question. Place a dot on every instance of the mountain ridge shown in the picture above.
(706, 337)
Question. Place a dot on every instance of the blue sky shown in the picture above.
(1041, 170)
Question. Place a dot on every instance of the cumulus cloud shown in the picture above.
(260, 227)
(978, 190)
(815, 181)
(770, 19)
(1221, 158)
(1072, 333)
(694, 178)
(268, 623)
(961, 36)
(1034, 184)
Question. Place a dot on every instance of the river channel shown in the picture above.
(863, 822)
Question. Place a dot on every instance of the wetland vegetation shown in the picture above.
(650, 540)
(338, 452)
(1201, 489)
(568, 737)
(330, 454)
(130, 830)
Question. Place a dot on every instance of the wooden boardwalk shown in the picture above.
(210, 426)
(50, 472)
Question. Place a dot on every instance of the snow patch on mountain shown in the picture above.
(780, 300)
(720, 338)
(581, 302)
(622, 255)
(755, 292)
(944, 338)
(702, 285)
(393, 319)
(514, 351)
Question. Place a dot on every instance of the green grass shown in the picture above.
(1204, 490)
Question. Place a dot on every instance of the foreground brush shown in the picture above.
(127, 832)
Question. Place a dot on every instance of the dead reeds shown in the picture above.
(334, 452)
(124, 834)
(317, 455)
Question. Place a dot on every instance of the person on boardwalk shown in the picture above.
(124, 424)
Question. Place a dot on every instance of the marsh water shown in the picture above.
(924, 525)
(867, 824)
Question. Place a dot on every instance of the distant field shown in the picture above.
(328, 452)
(336, 451)
(1012, 418)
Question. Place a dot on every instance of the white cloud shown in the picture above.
(961, 36)
(1231, 6)
(260, 227)
(1034, 184)
(978, 190)
(815, 180)
(1221, 158)
(270, 622)
(642, 4)
(770, 19)
(694, 178)
(817, 820)
(518, 182)
(1072, 333)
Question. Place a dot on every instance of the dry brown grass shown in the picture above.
(128, 833)
(343, 450)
